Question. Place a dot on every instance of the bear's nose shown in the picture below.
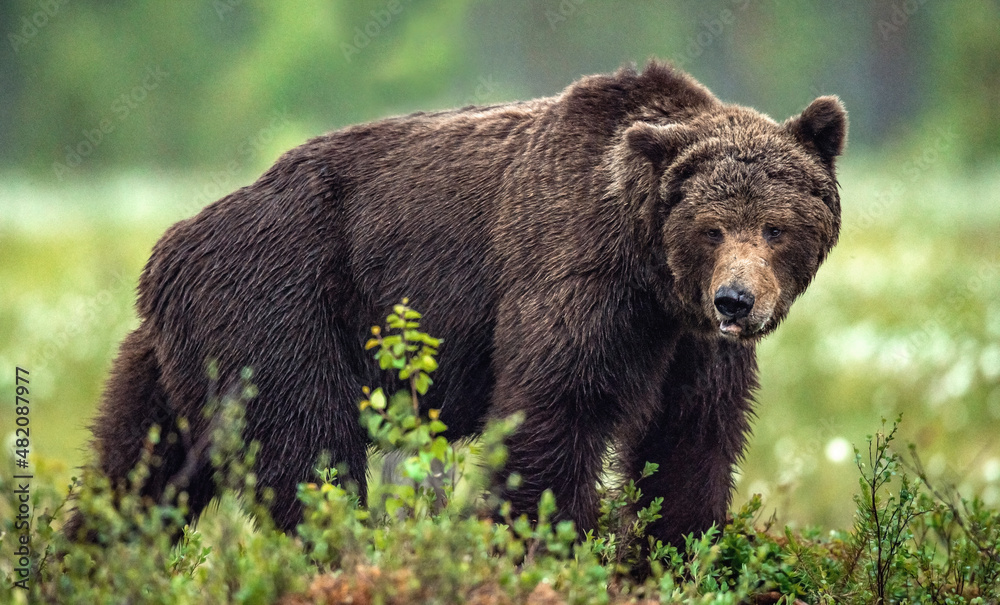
(733, 303)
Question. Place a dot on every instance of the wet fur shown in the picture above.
(556, 245)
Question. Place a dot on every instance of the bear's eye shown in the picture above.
(772, 233)
(714, 235)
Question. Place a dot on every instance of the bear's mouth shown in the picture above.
(742, 330)
(730, 328)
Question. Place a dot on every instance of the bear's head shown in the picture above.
(742, 211)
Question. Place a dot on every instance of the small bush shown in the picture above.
(428, 538)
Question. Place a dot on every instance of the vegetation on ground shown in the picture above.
(429, 535)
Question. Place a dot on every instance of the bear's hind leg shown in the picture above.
(133, 403)
(307, 407)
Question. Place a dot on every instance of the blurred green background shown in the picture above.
(119, 118)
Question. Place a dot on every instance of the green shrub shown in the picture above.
(428, 538)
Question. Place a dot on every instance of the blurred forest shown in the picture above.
(119, 118)
(227, 68)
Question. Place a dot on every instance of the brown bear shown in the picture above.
(604, 261)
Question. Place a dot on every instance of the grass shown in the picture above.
(911, 542)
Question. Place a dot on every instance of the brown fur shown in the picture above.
(570, 251)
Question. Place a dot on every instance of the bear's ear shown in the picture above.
(821, 128)
(658, 144)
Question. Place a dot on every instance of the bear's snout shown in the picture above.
(743, 293)
(733, 303)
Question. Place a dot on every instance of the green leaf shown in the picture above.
(414, 469)
(374, 422)
(422, 382)
(401, 401)
(421, 435)
(394, 435)
(378, 399)
(393, 504)
(439, 448)
(405, 492)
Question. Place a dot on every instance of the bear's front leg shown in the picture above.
(697, 436)
(552, 449)
(569, 365)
